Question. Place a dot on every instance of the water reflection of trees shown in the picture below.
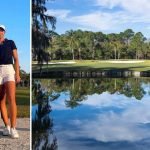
(79, 89)
(42, 124)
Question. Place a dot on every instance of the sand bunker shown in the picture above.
(126, 61)
(70, 62)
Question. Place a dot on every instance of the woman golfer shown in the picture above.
(8, 79)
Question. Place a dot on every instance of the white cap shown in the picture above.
(3, 27)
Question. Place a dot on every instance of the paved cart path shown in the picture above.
(23, 143)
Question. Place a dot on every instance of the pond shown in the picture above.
(91, 114)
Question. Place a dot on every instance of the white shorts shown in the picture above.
(7, 73)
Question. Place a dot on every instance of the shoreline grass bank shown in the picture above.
(78, 65)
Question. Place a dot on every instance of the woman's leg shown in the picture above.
(10, 88)
(3, 107)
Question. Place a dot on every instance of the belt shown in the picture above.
(5, 64)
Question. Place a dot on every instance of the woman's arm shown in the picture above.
(16, 63)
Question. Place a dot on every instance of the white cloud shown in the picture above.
(148, 27)
(130, 124)
(101, 20)
(95, 20)
(107, 3)
(132, 6)
(114, 126)
(108, 100)
(59, 13)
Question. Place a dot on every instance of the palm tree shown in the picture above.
(71, 42)
(137, 43)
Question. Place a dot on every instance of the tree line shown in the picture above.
(83, 45)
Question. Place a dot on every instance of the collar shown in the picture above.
(3, 41)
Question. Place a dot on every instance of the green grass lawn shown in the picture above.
(23, 101)
(95, 65)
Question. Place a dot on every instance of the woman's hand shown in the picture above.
(17, 78)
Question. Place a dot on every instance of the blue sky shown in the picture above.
(15, 15)
(108, 16)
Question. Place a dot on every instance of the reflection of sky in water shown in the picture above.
(103, 122)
